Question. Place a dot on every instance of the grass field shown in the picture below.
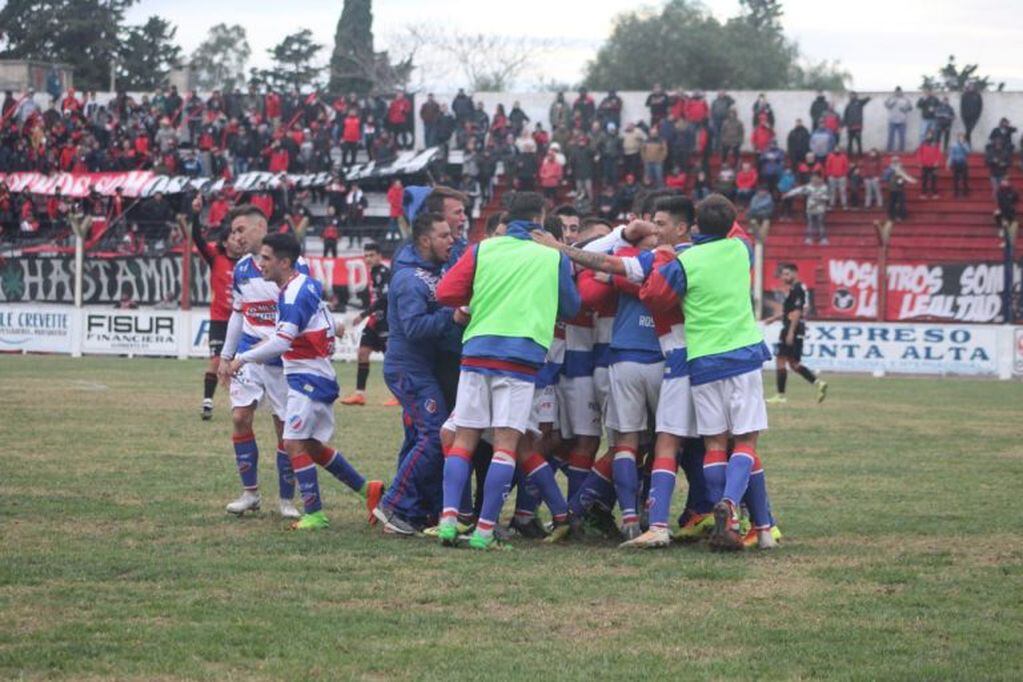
(899, 499)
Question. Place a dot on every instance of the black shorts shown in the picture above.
(373, 338)
(795, 351)
(218, 332)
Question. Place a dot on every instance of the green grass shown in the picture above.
(899, 499)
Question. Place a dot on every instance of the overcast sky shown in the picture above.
(881, 42)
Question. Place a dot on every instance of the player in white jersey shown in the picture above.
(253, 316)
(304, 339)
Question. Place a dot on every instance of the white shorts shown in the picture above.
(449, 426)
(545, 409)
(578, 406)
(255, 383)
(308, 419)
(488, 401)
(635, 389)
(734, 405)
(676, 412)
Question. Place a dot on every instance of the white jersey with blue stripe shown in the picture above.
(306, 322)
(256, 299)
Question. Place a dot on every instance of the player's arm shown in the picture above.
(591, 260)
(414, 314)
(455, 287)
(291, 319)
(665, 287)
(206, 250)
(569, 300)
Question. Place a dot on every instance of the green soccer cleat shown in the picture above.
(486, 542)
(779, 399)
(448, 534)
(698, 527)
(822, 390)
(314, 521)
(559, 532)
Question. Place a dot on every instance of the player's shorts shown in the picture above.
(578, 407)
(218, 332)
(795, 351)
(449, 425)
(256, 383)
(602, 389)
(635, 389)
(734, 405)
(373, 339)
(676, 411)
(492, 401)
(545, 409)
(308, 418)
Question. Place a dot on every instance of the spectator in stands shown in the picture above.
(816, 193)
(1004, 131)
(898, 106)
(559, 114)
(761, 138)
(701, 186)
(429, 113)
(870, 170)
(351, 135)
(927, 104)
(657, 103)
(786, 182)
(897, 178)
(355, 204)
(627, 193)
(731, 137)
(395, 210)
(462, 108)
(724, 183)
(581, 161)
(610, 110)
(761, 205)
(653, 153)
(609, 152)
(606, 203)
(944, 116)
(584, 109)
(852, 117)
(998, 158)
(526, 170)
(798, 143)
(1007, 198)
(746, 181)
(486, 163)
(762, 112)
(499, 123)
(330, 234)
(399, 121)
(676, 179)
(517, 118)
(958, 162)
(817, 108)
(719, 109)
(632, 147)
(836, 168)
(385, 151)
(855, 179)
(772, 163)
(930, 158)
(821, 143)
(551, 174)
(971, 104)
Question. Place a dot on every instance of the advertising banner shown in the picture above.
(36, 329)
(131, 332)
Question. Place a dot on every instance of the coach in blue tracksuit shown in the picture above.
(420, 327)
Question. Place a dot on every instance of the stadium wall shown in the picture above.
(840, 346)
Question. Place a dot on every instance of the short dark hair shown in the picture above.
(526, 206)
(371, 246)
(653, 196)
(553, 225)
(590, 221)
(715, 215)
(678, 206)
(493, 220)
(245, 211)
(567, 210)
(424, 224)
(790, 266)
(283, 246)
(435, 199)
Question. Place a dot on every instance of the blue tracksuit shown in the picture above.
(419, 326)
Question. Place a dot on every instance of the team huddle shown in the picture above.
(512, 359)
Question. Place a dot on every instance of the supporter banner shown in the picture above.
(144, 280)
(898, 348)
(36, 329)
(132, 332)
(407, 163)
(960, 292)
(147, 183)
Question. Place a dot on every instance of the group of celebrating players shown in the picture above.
(511, 359)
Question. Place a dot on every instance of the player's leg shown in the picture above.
(362, 372)
(308, 482)
(627, 415)
(217, 334)
(472, 416)
(539, 474)
(580, 417)
(804, 371)
(285, 475)
(697, 519)
(246, 456)
(662, 487)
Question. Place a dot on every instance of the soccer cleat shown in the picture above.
(601, 521)
(652, 539)
(288, 510)
(391, 402)
(354, 399)
(762, 539)
(779, 399)
(560, 531)
(822, 390)
(726, 535)
(395, 525)
(696, 527)
(207, 409)
(448, 534)
(630, 531)
(531, 529)
(374, 491)
(486, 542)
(249, 501)
(315, 521)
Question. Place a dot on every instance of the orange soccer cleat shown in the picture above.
(391, 402)
(374, 491)
(354, 399)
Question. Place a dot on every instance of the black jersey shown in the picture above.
(796, 300)
(379, 280)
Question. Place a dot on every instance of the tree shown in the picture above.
(147, 54)
(82, 33)
(351, 65)
(487, 63)
(952, 78)
(684, 45)
(219, 61)
(293, 61)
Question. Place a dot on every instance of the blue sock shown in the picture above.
(308, 485)
(285, 475)
(626, 482)
(756, 497)
(714, 464)
(691, 461)
(540, 474)
(662, 486)
(596, 489)
(527, 496)
(334, 462)
(246, 456)
(740, 464)
(457, 463)
(495, 490)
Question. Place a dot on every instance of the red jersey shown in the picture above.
(221, 279)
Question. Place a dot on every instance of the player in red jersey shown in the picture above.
(220, 256)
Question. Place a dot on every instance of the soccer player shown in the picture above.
(790, 342)
(253, 316)
(221, 258)
(515, 290)
(726, 354)
(374, 334)
(304, 339)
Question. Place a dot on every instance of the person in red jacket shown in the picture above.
(395, 195)
(836, 170)
(399, 115)
(930, 157)
(551, 174)
(696, 109)
(218, 211)
(761, 137)
(745, 182)
(279, 158)
(351, 134)
(676, 179)
(272, 105)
